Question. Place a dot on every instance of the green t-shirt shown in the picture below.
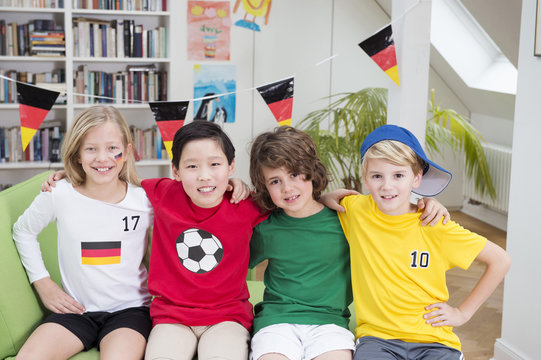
(308, 277)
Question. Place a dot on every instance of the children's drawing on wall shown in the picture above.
(209, 24)
(210, 80)
(252, 10)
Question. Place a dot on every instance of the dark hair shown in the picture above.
(289, 148)
(197, 130)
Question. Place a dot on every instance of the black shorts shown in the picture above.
(92, 327)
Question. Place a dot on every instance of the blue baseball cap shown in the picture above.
(435, 178)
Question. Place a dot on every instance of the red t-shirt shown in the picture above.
(199, 257)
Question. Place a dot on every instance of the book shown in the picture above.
(3, 48)
(54, 155)
(120, 39)
(9, 40)
(128, 37)
(44, 24)
(142, 67)
(138, 41)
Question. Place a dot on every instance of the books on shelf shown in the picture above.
(139, 83)
(49, 4)
(148, 144)
(129, 5)
(46, 143)
(39, 37)
(44, 146)
(53, 80)
(117, 38)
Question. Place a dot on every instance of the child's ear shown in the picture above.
(176, 173)
(417, 180)
(231, 168)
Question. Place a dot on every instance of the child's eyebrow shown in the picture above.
(210, 158)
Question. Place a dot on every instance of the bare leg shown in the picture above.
(273, 356)
(336, 355)
(50, 341)
(122, 343)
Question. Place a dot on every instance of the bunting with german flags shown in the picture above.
(100, 253)
(34, 105)
(169, 116)
(380, 47)
(279, 98)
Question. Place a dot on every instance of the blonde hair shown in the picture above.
(396, 153)
(85, 121)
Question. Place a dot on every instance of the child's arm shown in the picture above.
(433, 209)
(25, 233)
(332, 198)
(498, 262)
(49, 184)
(240, 190)
(55, 299)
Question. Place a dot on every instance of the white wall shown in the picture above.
(299, 35)
(522, 293)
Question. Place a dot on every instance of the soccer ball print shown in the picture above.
(199, 251)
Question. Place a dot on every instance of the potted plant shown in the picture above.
(339, 129)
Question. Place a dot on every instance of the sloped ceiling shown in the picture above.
(501, 20)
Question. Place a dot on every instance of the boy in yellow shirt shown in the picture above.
(398, 266)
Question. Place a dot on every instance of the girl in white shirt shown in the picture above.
(102, 217)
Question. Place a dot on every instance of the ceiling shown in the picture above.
(501, 21)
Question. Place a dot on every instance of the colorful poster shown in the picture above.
(209, 24)
(211, 80)
(252, 10)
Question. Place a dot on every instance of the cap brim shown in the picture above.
(434, 181)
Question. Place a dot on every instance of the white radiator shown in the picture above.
(499, 164)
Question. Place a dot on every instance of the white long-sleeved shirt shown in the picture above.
(100, 245)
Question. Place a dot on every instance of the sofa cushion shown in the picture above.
(20, 309)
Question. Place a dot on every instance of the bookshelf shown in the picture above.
(75, 60)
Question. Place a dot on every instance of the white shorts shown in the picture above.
(299, 342)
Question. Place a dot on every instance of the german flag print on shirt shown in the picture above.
(100, 253)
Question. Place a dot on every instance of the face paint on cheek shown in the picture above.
(118, 158)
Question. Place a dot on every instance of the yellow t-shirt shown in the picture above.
(398, 268)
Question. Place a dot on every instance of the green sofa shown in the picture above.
(20, 308)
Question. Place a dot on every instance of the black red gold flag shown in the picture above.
(100, 252)
(34, 105)
(169, 116)
(380, 47)
(279, 98)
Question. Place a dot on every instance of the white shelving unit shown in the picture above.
(136, 114)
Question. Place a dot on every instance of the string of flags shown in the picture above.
(35, 102)
(380, 48)
(169, 116)
(34, 105)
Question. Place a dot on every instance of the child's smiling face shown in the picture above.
(390, 186)
(204, 171)
(99, 154)
(291, 192)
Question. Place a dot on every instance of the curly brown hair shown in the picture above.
(291, 149)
